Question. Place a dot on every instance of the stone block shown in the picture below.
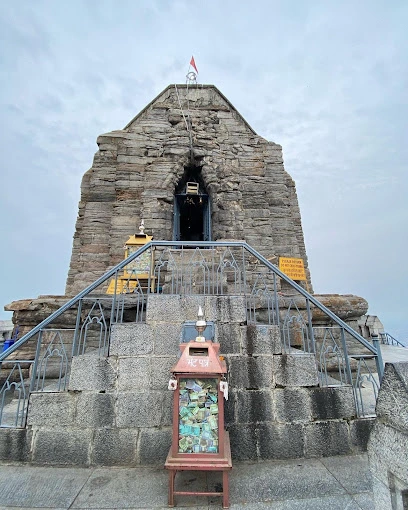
(230, 309)
(167, 339)
(177, 309)
(291, 405)
(330, 403)
(250, 373)
(382, 496)
(131, 339)
(161, 371)
(62, 446)
(392, 402)
(92, 373)
(262, 340)
(230, 337)
(133, 374)
(360, 430)
(140, 409)
(167, 408)
(254, 406)
(95, 410)
(230, 407)
(15, 445)
(243, 442)
(281, 441)
(51, 409)
(115, 447)
(154, 445)
(327, 438)
(388, 452)
(295, 370)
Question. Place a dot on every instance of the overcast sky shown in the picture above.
(327, 80)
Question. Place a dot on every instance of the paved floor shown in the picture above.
(391, 354)
(335, 483)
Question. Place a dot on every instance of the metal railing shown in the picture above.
(343, 356)
(388, 339)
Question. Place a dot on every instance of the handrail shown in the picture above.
(388, 339)
(187, 244)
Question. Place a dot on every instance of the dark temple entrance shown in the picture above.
(191, 208)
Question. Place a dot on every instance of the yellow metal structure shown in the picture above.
(137, 272)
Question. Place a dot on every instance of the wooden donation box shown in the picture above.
(199, 442)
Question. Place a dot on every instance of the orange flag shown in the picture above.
(193, 64)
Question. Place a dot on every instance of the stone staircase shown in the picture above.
(118, 410)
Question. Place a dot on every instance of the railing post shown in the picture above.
(275, 295)
(346, 358)
(35, 365)
(310, 325)
(76, 333)
(378, 359)
(244, 270)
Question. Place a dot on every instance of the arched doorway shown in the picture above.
(192, 215)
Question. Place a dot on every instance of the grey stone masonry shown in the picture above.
(137, 169)
(388, 443)
(118, 410)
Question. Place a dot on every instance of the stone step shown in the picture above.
(178, 309)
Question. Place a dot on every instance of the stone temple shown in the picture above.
(115, 408)
(87, 384)
(186, 134)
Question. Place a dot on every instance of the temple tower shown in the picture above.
(187, 136)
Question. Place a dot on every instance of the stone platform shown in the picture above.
(118, 411)
(306, 484)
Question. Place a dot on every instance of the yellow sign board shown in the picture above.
(292, 267)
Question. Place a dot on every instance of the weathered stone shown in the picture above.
(277, 441)
(332, 403)
(250, 373)
(392, 403)
(90, 372)
(52, 409)
(133, 373)
(95, 410)
(115, 447)
(131, 339)
(15, 445)
(387, 446)
(230, 337)
(360, 430)
(291, 405)
(243, 442)
(327, 438)
(140, 409)
(154, 445)
(64, 446)
(157, 139)
(295, 370)
(254, 406)
(262, 340)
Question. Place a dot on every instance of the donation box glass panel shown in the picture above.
(198, 415)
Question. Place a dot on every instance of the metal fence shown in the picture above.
(343, 357)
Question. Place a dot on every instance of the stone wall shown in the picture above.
(136, 171)
(118, 410)
(388, 444)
